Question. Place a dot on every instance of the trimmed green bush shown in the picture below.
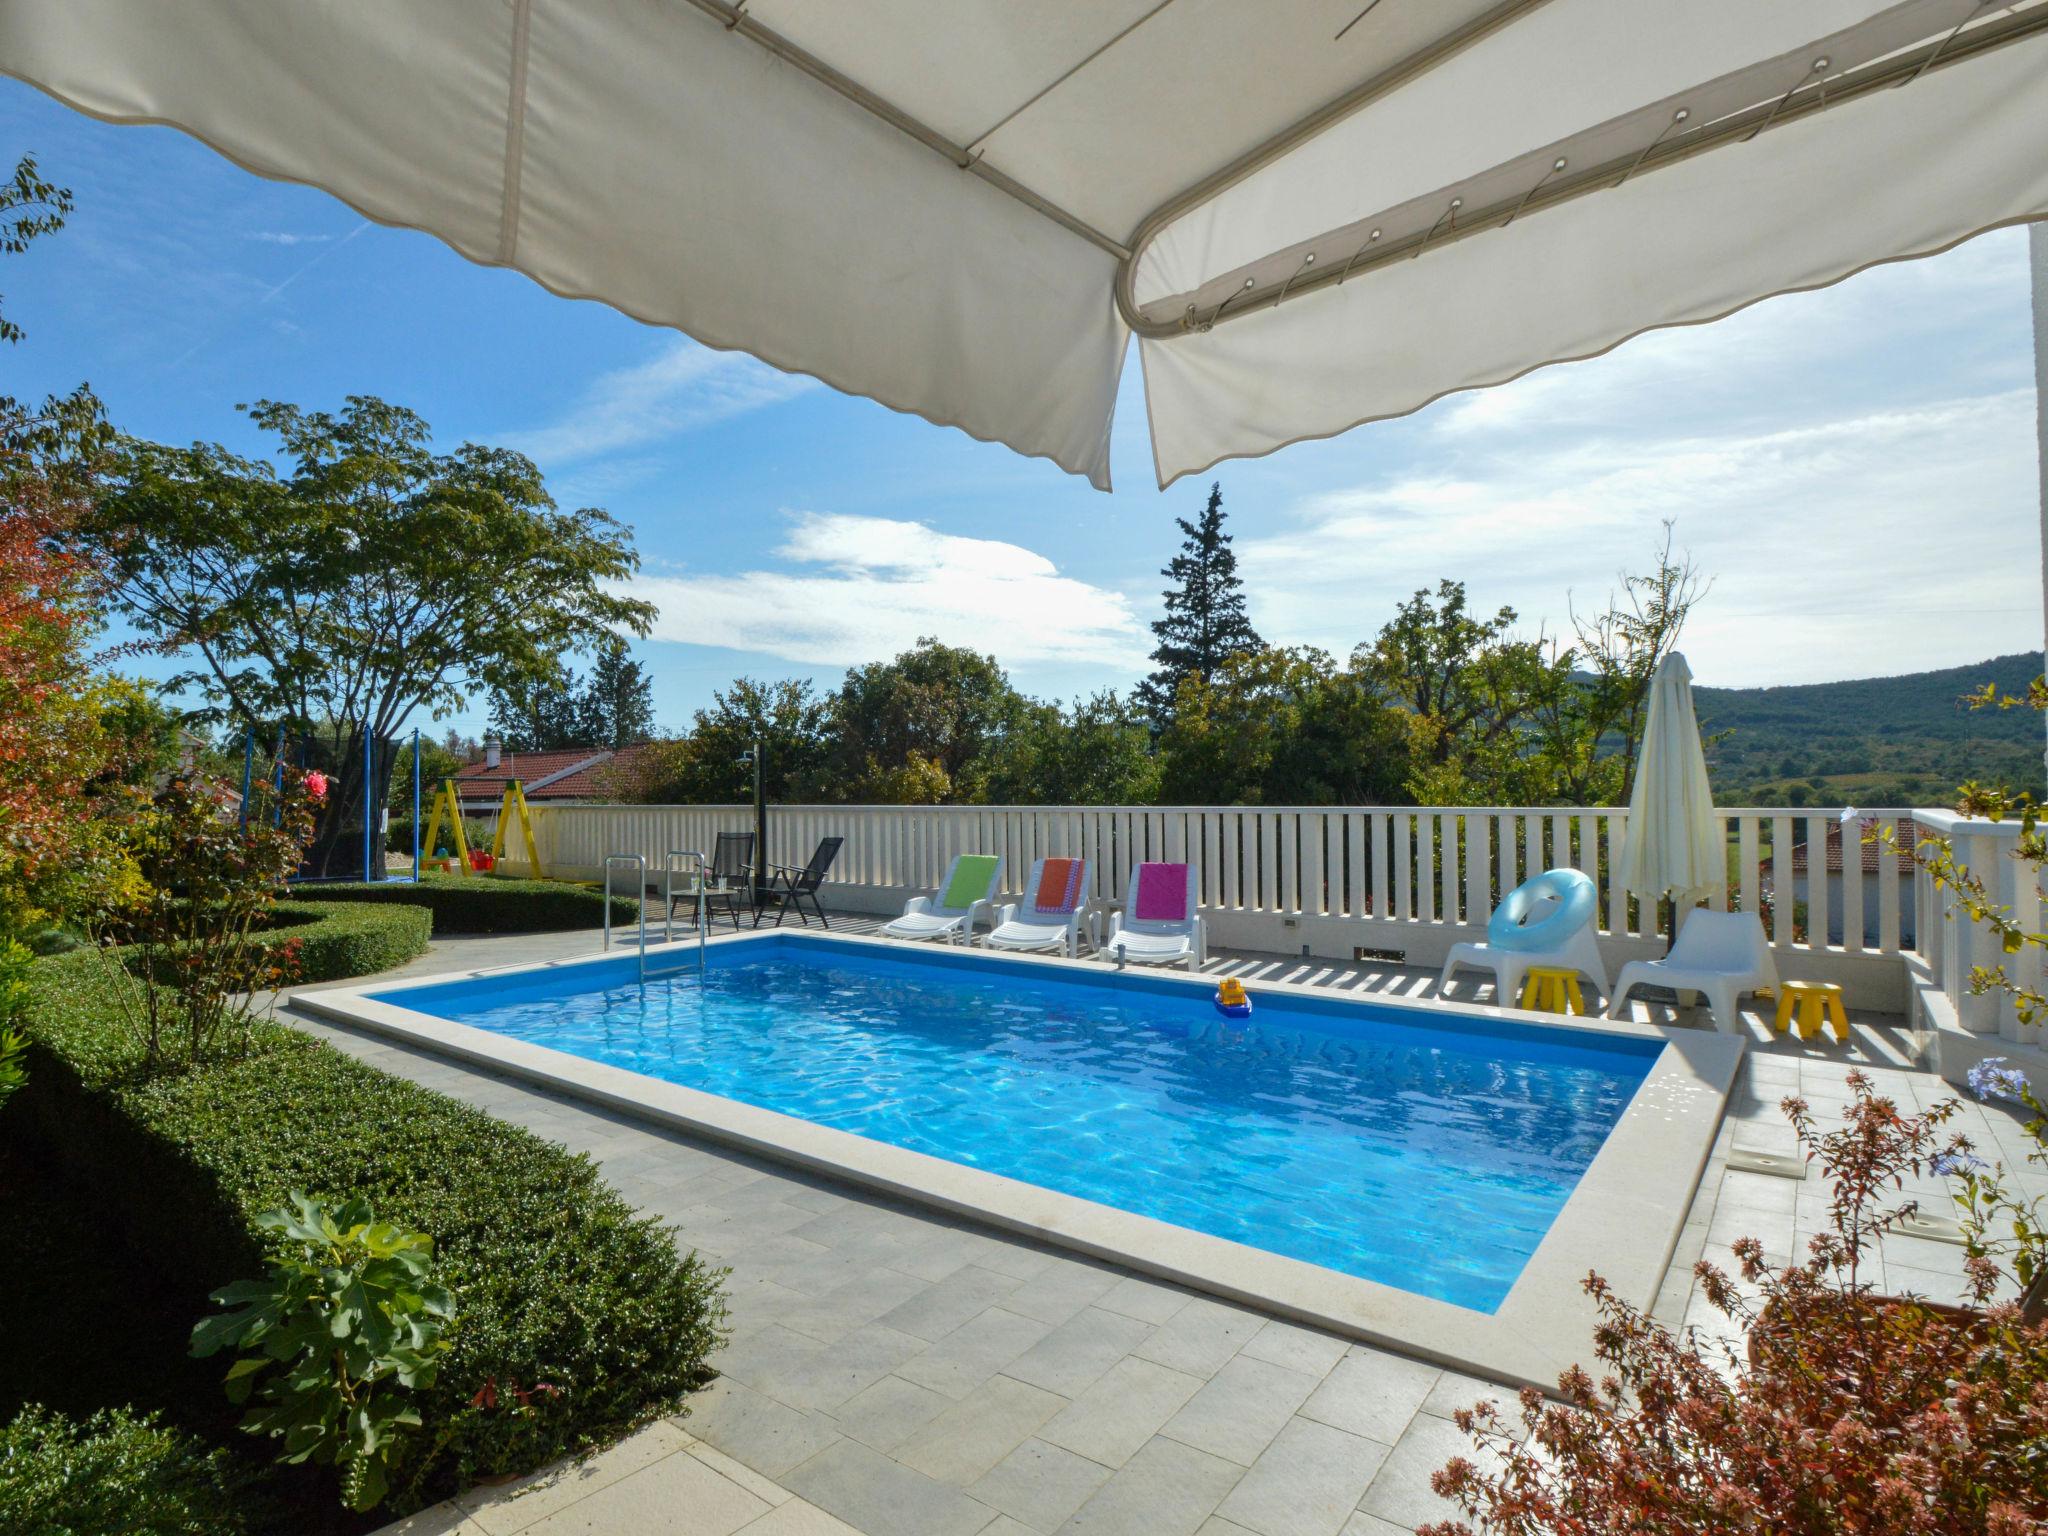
(338, 941)
(559, 1281)
(485, 903)
(117, 1472)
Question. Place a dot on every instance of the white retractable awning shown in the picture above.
(1312, 214)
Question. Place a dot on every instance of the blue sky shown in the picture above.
(1854, 468)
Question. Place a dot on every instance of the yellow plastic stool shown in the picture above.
(1553, 990)
(1812, 1000)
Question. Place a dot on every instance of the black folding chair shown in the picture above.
(787, 887)
(730, 877)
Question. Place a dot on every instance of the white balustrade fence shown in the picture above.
(1400, 881)
(1956, 946)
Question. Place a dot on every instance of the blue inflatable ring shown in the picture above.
(1576, 896)
(1235, 1010)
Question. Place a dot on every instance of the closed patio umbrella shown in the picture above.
(1310, 214)
(1673, 845)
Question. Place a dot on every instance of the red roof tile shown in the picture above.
(1905, 839)
(580, 773)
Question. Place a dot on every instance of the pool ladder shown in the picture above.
(669, 870)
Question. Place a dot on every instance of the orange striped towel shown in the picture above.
(1059, 886)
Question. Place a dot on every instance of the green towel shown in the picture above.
(974, 878)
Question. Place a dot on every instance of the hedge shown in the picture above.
(118, 1471)
(557, 1279)
(485, 903)
(336, 942)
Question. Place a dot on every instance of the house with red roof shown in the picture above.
(1869, 864)
(576, 776)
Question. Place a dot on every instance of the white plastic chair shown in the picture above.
(1510, 967)
(1720, 955)
(924, 917)
(1157, 941)
(1025, 926)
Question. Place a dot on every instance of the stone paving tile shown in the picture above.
(973, 1352)
(1073, 1356)
(1309, 1350)
(872, 1493)
(445, 1519)
(767, 1357)
(1110, 1421)
(1216, 1525)
(1307, 1482)
(797, 1517)
(1040, 1485)
(757, 1431)
(517, 1505)
(1167, 1489)
(650, 1500)
(1200, 1337)
(1400, 1491)
(1056, 1293)
(944, 1305)
(835, 1373)
(1372, 1393)
(1243, 1407)
(972, 1435)
(1362, 1524)
(765, 1489)
(889, 1412)
(1148, 1300)
(849, 1306)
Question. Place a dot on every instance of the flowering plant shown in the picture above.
(1852, 1412)
(196, 949)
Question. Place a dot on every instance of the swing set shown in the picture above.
(447, 803)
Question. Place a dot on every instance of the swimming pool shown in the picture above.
(1423, 1150)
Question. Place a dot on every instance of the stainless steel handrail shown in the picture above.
(637, 861)
(668, 874)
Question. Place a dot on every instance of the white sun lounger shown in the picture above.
(1579, 952)
(963, 898)
(1025, 926)
(1720, 955)
(1158, 940)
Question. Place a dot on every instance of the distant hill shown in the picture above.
(1872, 740)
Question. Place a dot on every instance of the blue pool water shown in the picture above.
(1427, 1156)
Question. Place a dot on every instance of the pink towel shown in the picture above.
(1059, 887)
(1162, 893)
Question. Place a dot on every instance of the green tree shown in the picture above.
(917, 729)
(1205, 621)
(1283, 726)
(1099, 752)
(705, 768)
(617, 703)
(1467, 685)
(542, 716)
(371, 578)
(30, 208)
(1618, 652)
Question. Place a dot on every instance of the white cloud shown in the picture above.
(864, 588)
(682, 387)
(1870, 544)
(286, 237)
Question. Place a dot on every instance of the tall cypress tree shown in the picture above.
(1205, 621)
